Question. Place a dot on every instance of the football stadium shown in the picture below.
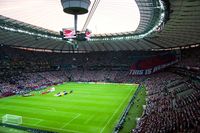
(99, 66)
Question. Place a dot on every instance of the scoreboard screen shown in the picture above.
(68, 33)
(79, 36)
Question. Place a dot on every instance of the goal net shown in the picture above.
(12, 119)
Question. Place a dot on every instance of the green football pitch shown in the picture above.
(91, 108)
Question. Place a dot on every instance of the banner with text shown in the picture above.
(153, 64)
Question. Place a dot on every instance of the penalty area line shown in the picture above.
(70, 121)
(31, 118)
(38, 122)
(46, 127)
(90, 118)
(53, 109)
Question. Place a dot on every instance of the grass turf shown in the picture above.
(91, 108)
(135, 111)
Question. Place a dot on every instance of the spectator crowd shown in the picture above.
(173, 95)
(173, 104)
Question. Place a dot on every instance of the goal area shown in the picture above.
(12, 119)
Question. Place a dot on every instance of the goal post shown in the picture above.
(12, 119)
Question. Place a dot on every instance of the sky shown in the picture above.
(111, 16)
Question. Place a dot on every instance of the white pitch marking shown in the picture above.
(38, 122)
(115, 112)
(52, 109)
(70, 121)
(90, 118)
(66, 130)
(32, 118)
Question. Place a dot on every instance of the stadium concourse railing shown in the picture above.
(119, 126)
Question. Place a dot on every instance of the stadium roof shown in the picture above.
(163, 26)
(49, 14)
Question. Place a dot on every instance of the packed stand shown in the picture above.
(172, 106)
